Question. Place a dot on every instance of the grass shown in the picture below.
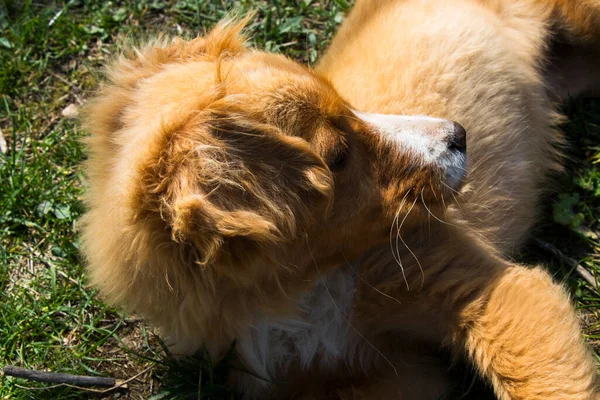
(49, 319)
(572, 218)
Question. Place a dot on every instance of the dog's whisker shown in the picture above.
(396, 252)
(452, 193)
(357, 274)
(322, 278)
(432, 214)
(409, 249)
(398, 237)
(456, 202)
(443, 203)
(450, 188)
(441, 199)
(433, 191)
(394, 222)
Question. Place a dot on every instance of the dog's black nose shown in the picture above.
(458, 138)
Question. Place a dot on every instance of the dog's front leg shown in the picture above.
(522, 333)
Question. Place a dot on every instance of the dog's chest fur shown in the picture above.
(318, 334)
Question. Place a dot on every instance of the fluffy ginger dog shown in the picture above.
(236, 195)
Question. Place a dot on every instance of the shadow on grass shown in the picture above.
(195, 377)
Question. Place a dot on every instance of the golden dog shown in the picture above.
(322, 221)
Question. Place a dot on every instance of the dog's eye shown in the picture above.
(339, 161)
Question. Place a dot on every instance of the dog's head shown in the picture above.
(212, 163)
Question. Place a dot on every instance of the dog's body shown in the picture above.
(220, 211)
(477, 62)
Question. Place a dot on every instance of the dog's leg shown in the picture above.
(522, 334)
(517, 326)
(514, 324)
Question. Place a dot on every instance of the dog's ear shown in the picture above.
(224, 40)
(105, 115)
(102, 116)
(232, 189)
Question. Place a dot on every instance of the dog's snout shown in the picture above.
(458, 138)
(437, 143)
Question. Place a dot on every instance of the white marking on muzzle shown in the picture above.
(428, 139)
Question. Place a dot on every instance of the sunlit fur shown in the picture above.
(215, 212)
(213, 196)
(493, 66)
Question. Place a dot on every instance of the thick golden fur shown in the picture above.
(218, 211)
(209, 183)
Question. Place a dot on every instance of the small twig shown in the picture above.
(582, 271)
(57, 377)
(118, 383)
(67, 277)
(66, 82)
